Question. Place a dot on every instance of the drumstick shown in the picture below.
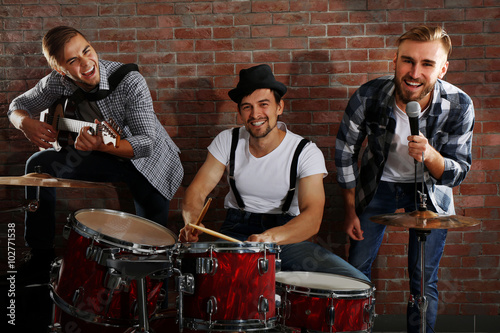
(215, 233)
(203, 211)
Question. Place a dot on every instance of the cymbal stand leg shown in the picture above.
(142, 307)
(31, 206)
(422, 300)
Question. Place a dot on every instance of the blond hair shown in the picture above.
(427, 34)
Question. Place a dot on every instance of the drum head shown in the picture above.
(322, 281)
(122, 228)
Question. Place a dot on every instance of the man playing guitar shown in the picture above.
(146, 158)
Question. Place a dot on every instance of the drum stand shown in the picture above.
(138, 269)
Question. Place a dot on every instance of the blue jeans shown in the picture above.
(303, 256)
(89, 166)
(388, 198)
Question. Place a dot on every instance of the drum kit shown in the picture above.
(114, 274)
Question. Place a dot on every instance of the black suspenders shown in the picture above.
(293, 172)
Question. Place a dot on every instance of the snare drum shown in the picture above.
(83, 286)
(233, 286)
(324, 302)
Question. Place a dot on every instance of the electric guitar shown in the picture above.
(55, 116)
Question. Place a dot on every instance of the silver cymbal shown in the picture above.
(425, 220)
(46, 180)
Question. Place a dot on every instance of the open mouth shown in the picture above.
(258, 123)
(89, 73)
(412, 84)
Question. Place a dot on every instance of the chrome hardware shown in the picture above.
(113, 280)
(263, 266)
(185, 284)
(66, 231)
(211, 305)
(278, 265)
(206, 265)
(263, 306)
(331, 315)
(78, 294)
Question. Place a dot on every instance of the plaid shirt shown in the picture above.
(155, 154)
(448, 126)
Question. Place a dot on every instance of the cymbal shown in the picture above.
(46, 180)
(425, 220)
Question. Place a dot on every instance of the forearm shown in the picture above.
(124, 149)
(299, 229)
(434, 162)
(349, 196)
(17, 118)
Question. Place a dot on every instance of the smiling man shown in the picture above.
(386, 180)
(259, 174)
(146, 158)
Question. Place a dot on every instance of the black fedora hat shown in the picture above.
(253, 78)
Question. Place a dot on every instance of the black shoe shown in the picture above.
(35, 267)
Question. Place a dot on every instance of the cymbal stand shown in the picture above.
(422, 234)
(30, 206)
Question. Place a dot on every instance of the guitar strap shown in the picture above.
(114, 80)
(293, 172)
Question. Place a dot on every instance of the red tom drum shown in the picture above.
(324, 302)
(233, 286)
(84, 287)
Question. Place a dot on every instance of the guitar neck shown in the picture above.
(73, 125)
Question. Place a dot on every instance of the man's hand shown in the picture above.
(87, 140)
(38, 132)
(353, 228)
(189, 234)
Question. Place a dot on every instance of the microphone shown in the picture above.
(413, 111)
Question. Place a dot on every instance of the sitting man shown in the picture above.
(260, 165)
(146, 159)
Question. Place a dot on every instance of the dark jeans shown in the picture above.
(303, 256)
(89, 166)
(389, 198)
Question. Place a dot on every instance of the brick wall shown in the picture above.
(191, 51)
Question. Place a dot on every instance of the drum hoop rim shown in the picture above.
(84, 315)
(369, 283)
(84, 230)
(220, 247)
(326, 293)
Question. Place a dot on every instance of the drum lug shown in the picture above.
(287, 309)
(78, 294)
(277, 264)
(369, 313)
(263, 266)
(55, 268)
(55, 328)
(331, 315)
(66, 231)
(206, 265)
(185, 284)
(212, 305)
(263, 306)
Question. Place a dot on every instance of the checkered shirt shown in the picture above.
(448, 126)
(155, 154)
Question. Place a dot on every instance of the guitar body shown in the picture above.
(61, 116)
(51, 116)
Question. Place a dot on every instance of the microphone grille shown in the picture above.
(413, 109)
